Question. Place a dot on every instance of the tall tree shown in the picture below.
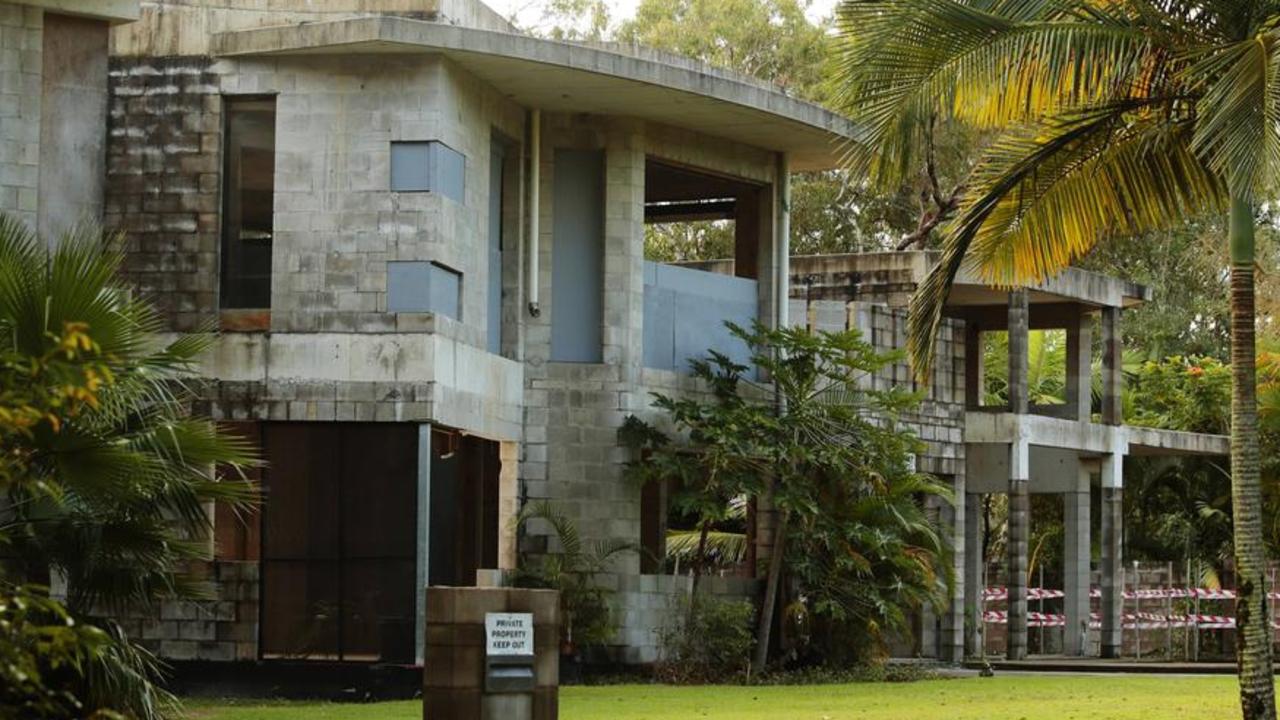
(1110, 119)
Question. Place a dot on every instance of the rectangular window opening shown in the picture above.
(248, 202)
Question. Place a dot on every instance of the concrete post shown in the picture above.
(1075, 559)
(973, 563)
(1019, 326)
(1019, 534)
(1112, 582)
(1112, 358)
(952, 640)
(1080, 368)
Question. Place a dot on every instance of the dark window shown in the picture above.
(248, 197)
(464, 507)
(339, 541)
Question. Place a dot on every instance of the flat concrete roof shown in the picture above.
(605, 79)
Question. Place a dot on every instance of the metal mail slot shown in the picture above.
(509, 674)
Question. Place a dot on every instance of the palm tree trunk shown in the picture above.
(765, 626)
(1253, 624)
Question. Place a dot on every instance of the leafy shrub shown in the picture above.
(711, 642)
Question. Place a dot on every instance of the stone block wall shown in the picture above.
(222, 629)
(21, 44)
(163, 181)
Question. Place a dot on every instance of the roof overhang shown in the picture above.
(112, 11)
(557, 76)
(1089, 438)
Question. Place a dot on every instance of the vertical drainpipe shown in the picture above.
(535, 188)
(782, 242)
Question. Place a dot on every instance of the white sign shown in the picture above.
(508, 633)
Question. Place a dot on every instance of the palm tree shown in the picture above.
(113, 497)
(1107, 118)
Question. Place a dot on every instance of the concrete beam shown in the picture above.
(1002, 427)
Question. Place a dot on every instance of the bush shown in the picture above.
(711, 642)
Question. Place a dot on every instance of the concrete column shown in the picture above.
(1080, 368)
(422, 566)
(973, 370)
(973, 572)
(782, 241)
(1019, 326)
(1075, 560)
(1019, 534)
(1112, 377)
(951, 642)
(1112, 544)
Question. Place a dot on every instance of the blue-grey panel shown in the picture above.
(494, 316)
(419, 286)
(446, 291)
(577, 256)
(659, 328)
(410, 166)
(408, 286)
(449, 169)
(428, 166)
(686, 311)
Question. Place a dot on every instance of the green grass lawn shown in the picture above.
(1006, 697)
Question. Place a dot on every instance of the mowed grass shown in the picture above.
(1005, 697)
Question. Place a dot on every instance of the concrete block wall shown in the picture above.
(163, 181)
(337, 223)
(21, 44)
(222, 629)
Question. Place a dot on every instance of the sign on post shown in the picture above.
(508, 633)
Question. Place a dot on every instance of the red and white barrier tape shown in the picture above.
(1000, 594)
(1142, 621)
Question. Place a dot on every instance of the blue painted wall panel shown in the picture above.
(685, 314)
(577, 256)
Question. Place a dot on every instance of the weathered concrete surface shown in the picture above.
(73, 123)
(536, 71)
(1003, 427)
(21, 45)
(113, 11)
(895, 275)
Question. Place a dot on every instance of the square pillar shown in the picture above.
(1076, 559)
(1019, 535)
(951, 641)
(1112, 544)
(974, 580)
(1080, 368)
(1019, 327)
(1112, 359)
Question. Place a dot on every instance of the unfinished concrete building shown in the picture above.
(422, 236)
(1015, 446)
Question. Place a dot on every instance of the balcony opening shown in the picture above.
(1046, 368)
(702, 245)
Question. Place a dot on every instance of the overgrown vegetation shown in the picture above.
(708, 641)
(104, 477)
(570, 566)
(854, 550)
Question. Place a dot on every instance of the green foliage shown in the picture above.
(104, 476)
(1192, 394)
(829, 454)
(710, 642)
(585, 618)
